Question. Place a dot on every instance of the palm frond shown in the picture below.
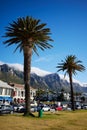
(25, 28)
(71, 65)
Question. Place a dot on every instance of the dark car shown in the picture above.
(6, 109)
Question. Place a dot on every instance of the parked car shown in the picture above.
(22, 110)
(33, 109)
(78, 107)
(19, 107)
(85, 107)
(46, 108)
(15, 106)
(6, 109)
(58, 108)
(68, 109)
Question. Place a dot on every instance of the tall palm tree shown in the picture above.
(27, 34)
(70, 66)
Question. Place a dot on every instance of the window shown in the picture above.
(9, 92)
(31, 93)
(22, 93)
(18, 93)
(1, 90)
(6, 90)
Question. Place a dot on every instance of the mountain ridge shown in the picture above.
(46, 80)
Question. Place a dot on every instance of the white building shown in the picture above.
(19, 92)
(5, 92)
(66, 96)
(14, 92)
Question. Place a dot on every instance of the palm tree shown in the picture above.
(70, 66)
(27, 34)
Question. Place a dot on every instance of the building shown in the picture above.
(19, 92)
(13, 92)
(5, 92)
(66, 96)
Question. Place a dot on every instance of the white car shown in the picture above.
(33, 108)
(78, 107)
(68, 109)
(85, 107)
(46, 108)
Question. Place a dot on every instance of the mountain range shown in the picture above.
(39, 79)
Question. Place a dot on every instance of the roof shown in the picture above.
(5, 85)
(20, 86)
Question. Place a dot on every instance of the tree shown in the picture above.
(70, 66)
(27, 34)
(83, 99)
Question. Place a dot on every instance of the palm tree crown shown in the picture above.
(71, 65)
(28, 32)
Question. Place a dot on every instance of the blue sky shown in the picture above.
(67, 20)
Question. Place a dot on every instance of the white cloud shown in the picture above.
(19, 67)
(42, 59)
(67, 78)
(1, 63)
(39, 72)
(16, 66)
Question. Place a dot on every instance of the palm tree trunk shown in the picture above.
(72, 95)
(27, 68)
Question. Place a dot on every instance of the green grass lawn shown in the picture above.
(62, 120)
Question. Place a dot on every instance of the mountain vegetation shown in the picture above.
(9, 74)
(53, 81)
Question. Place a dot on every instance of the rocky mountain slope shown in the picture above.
(39, 79)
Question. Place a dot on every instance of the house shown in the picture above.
(66, 96)
(13, 92)
(19, 92)
(5, 92)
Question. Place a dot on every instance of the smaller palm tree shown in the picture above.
(70, 66)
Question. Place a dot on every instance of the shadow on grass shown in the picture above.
(35, 115)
